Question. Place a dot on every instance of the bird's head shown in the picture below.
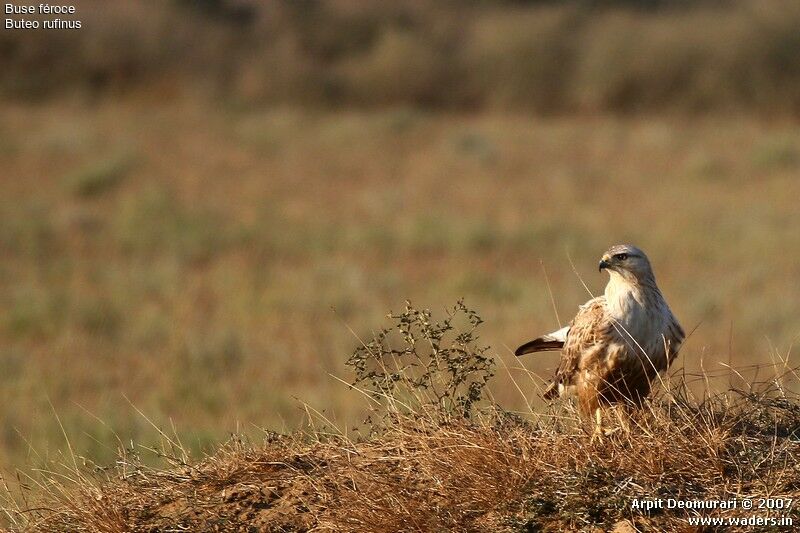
(627, 261)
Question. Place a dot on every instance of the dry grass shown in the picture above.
(433, 469)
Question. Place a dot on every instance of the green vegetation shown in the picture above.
(98, 177)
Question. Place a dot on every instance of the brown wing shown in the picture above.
(585, 339)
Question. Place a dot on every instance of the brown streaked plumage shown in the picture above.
(619, 342)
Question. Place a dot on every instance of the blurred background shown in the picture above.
(201, 199)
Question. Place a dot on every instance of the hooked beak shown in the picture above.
(603, 264)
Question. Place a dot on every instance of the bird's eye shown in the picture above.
(620, 257)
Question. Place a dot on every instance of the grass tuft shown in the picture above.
(99, 177)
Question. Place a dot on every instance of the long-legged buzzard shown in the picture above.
(619, 342)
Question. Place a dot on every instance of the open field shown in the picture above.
(207, 206)
(206, 265)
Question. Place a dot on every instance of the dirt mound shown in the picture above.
(497, 474)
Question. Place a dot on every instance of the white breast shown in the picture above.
(640, 321)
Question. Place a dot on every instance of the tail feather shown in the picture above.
(551, 341)
(538, 345)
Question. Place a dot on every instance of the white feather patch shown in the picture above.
(559, 335)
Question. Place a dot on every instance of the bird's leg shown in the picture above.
(597, 434)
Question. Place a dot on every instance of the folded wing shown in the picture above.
(588, 333)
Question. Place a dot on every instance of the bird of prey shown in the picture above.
(618, 343)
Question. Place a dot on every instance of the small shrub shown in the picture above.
(419, 363)
(99, 317)
(99, 177)
(776, 154)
